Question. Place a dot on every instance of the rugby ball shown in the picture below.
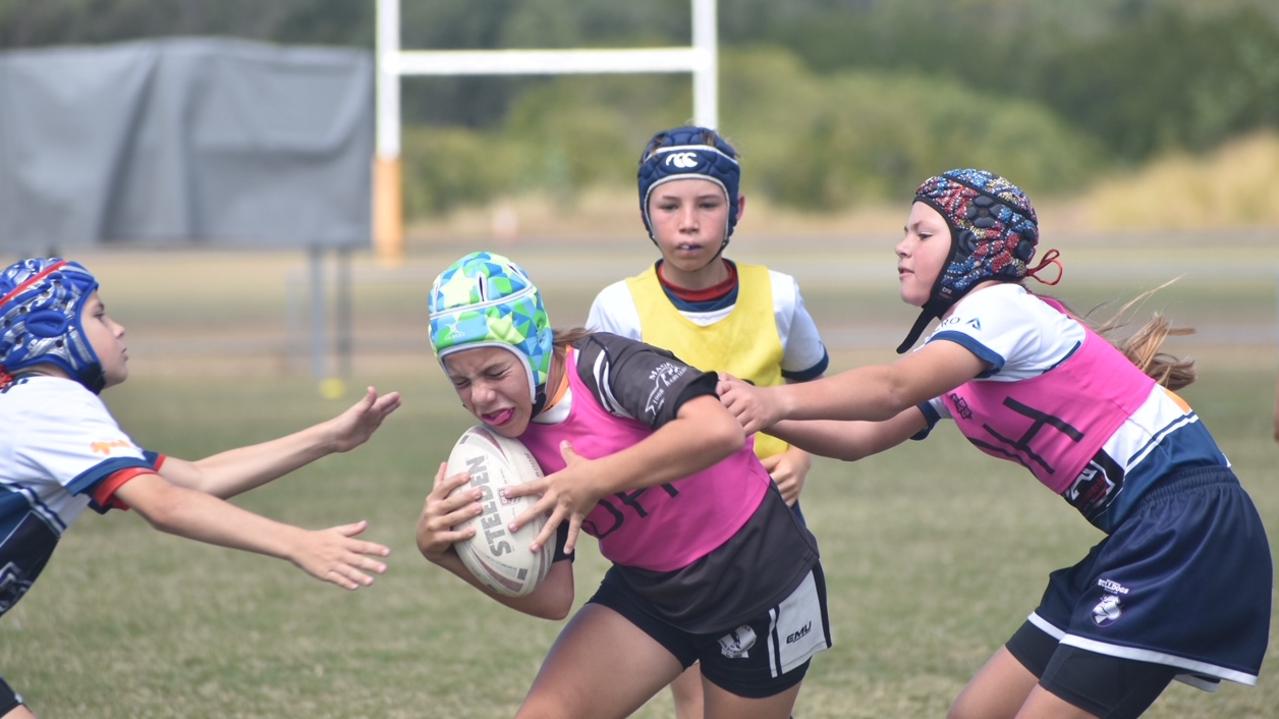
(499, 558)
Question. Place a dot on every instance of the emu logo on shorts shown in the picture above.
(682, 160)
(1106, 611)
(737, 643)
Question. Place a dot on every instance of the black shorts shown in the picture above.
(1106, 686)
(759, 657)
(9, 699)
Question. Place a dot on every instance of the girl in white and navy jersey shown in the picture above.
(61, 451)
(1181, 585)
(708, 562)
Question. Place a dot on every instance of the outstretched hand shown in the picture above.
(353, 427)
(335, 555)
(566, 494)
(754, 407)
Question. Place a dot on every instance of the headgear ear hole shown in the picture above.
(46, 323)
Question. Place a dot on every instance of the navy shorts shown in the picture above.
(760, 657)
(1184, 582)
(9, 699)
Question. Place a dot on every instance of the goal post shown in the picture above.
(699, 59)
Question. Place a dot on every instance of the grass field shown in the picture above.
(934, 553)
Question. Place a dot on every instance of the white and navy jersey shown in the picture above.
(804, 356)
(1020, 337)
(60, 452)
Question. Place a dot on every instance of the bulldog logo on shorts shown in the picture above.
(13, 584)
(1106, 611)
(737, 643)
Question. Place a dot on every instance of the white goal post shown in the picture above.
(699, 59)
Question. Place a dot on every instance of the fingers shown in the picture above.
(352, 529)
(574, 530)
(541, 508)
(532, 487)
(548, 530)
(386, 404)
(337, 558)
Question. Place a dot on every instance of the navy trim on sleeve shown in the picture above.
(811, 373)
(993, 360)
(86, 480)
(930, 416)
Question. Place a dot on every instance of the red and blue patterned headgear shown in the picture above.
(485, 300)
(993, 230)
(40, 304)
(690, 152)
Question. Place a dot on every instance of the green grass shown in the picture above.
(934, 553)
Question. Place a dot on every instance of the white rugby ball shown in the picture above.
(499, 558)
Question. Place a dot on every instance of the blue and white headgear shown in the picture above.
(40, 304)
(486, 300)
(994, 231)
(690, 152)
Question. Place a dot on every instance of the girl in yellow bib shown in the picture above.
(708, 310)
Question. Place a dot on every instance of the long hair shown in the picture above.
(566, 337)
(1144, 346)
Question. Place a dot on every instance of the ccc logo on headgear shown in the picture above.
(682, 160)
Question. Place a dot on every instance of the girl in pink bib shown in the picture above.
(709, 564)
(1180, 587)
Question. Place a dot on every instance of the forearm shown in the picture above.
(864, 393)
(195, 515)
(548, 601)
(699, 437)
(235, 471)
(850, 440)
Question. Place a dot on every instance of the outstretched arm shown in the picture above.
(229, 473)
(876, 392)
(850, 441)
(449, 504)
(333, 555)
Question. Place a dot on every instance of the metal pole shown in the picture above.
(706, 76)
(319, 314)
(342, 346)
(388, 194)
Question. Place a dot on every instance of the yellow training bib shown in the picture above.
(744, 344)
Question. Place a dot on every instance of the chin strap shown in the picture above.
(930, 311)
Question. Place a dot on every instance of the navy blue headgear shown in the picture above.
(690, 152)
(40, 304)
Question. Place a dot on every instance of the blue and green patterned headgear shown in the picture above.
(485, 300)
(40, 304)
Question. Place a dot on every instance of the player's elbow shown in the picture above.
(553, 599)
(725, 437)
(162, 506)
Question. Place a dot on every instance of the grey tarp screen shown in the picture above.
(185, 142)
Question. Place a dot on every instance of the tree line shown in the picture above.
(831, 101)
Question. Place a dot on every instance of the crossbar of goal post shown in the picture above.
(699, 59)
